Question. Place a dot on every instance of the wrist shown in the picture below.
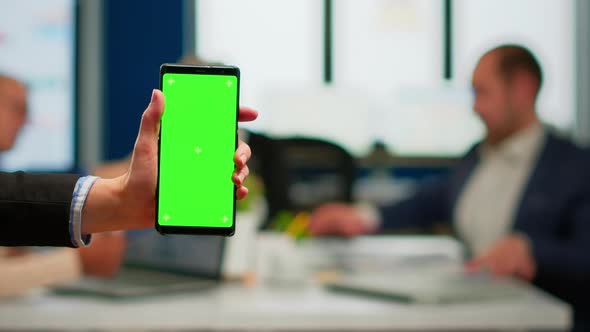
(102, 208)
(528, 268)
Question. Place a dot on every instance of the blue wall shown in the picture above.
(139, 35)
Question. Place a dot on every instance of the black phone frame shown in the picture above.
(197, 70)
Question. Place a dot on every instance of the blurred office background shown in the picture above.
(353, 72)
(386, 80)
(380, 87)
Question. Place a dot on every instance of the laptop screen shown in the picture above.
(187, 254)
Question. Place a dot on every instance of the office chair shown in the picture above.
(300, 173)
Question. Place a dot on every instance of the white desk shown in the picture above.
(306, 307)
(232, 307)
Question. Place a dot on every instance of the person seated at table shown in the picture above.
(519, 200)
(101, 259)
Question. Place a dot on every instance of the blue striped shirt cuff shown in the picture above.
(80, 192)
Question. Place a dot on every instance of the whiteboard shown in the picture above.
(37, 46)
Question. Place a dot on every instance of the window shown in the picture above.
(275, 44)
(546, 27)
(390, 52)
(387, 66)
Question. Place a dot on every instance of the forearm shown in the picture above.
(563, 258)
(566, 255)
(412, 213)
(34, 209)
(562, 269)
(427, 206)
(111, 206)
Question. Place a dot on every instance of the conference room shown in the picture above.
(417, 165)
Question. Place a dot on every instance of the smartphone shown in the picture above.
(198, 139)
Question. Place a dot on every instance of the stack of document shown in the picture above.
(430, 286)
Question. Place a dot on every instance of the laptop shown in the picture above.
(156, 264)
(429, 287)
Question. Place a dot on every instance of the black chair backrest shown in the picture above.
(300, 173)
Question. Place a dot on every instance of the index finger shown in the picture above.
(247, 114)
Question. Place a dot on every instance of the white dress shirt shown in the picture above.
(486, 208)
(81, 191)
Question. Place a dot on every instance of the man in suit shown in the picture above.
(62, 210)
(519, 200)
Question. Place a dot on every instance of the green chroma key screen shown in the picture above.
(197, 145)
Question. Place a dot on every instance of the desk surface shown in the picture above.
(232, 307)
(304, 307)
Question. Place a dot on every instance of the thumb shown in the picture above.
(150, 120)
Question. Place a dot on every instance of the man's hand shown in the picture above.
(337, 219)
(128, 201)
(510, 256)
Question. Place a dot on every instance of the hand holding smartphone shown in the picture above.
(198, 139)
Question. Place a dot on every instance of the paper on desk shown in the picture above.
(379, 254)
(430, 285)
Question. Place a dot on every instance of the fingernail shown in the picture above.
(243, 158)
(153, 95)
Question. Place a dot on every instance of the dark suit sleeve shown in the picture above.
(568, 256)
(559, 226)
(34, 209)
(434, 201)
(563, 262)
(424, 208)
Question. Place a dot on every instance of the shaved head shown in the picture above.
(506, 83)
(512, 60)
